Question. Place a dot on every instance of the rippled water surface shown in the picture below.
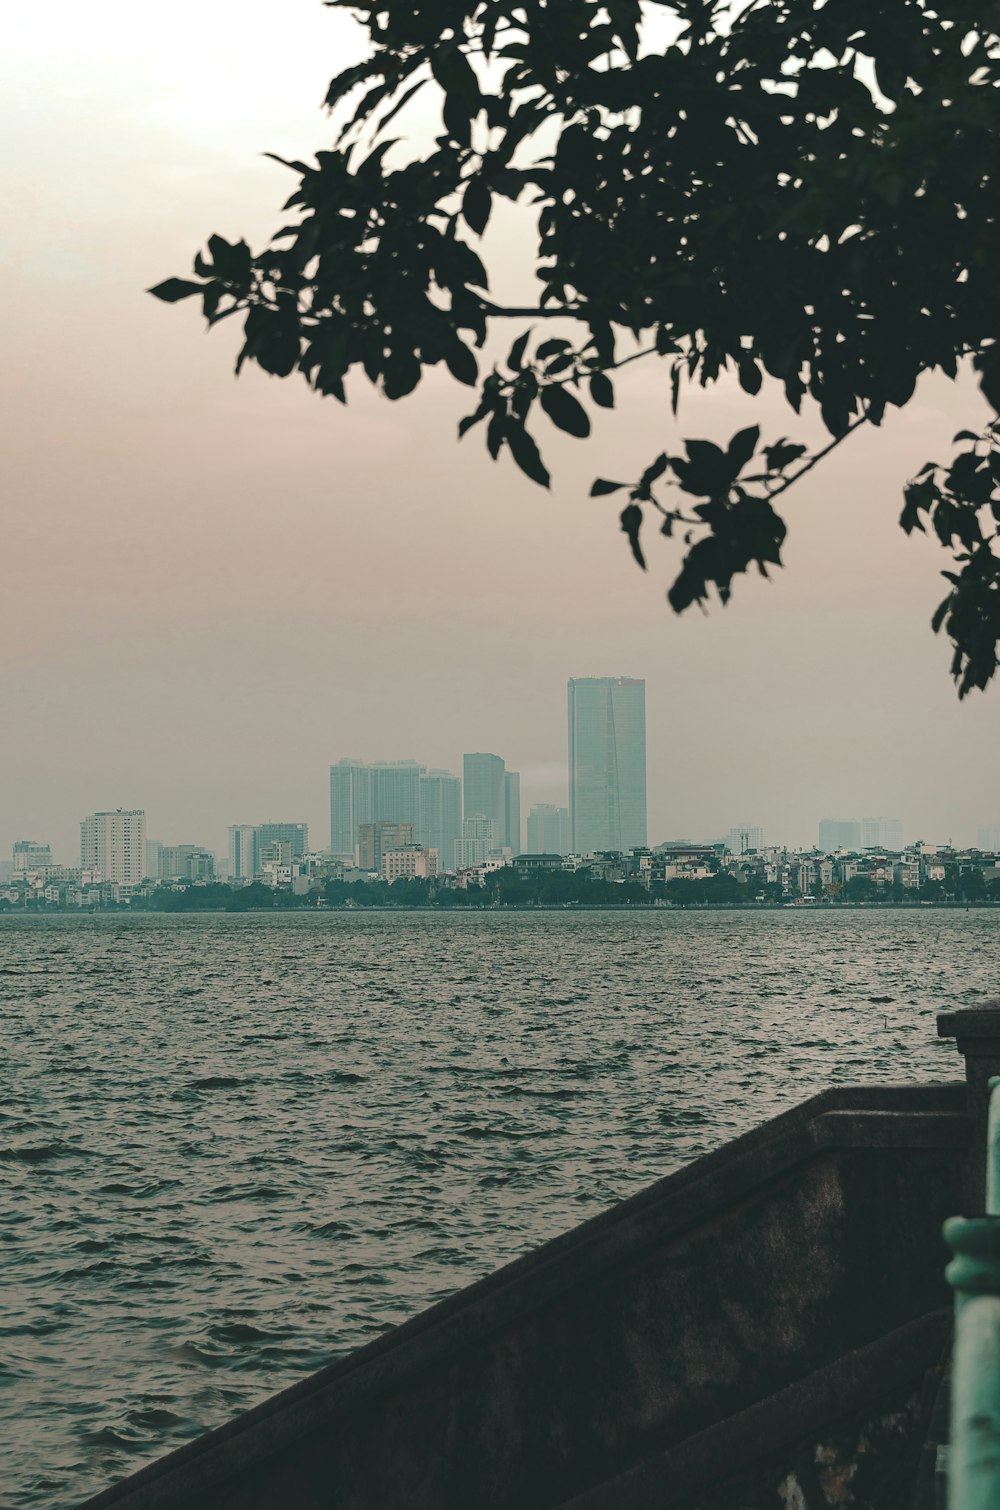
(232, 1148)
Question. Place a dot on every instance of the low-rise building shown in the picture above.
(29, 857)
(409, 862)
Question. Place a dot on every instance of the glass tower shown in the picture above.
(484, 792)
(440, 815)
(607, 763)
(350, 805)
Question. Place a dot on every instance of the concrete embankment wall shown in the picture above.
(642, 1358)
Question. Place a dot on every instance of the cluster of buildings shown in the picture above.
(399, 819)
(928, 871)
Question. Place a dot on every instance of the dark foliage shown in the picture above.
(739, 201)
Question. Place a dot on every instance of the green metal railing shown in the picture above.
(974, 1272)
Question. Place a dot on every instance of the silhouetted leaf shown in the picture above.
(631, 520)
(175, 288)
(742, 446)
(601, 390)
(782, 454)
(462, 364)
(476, 204)
(456, 76)
(750, 375)
(516, 355)
(566, 412)
(349, 78)
(457, 121)
(601, 486)
(231, 260)
(559, 364)
(525, 453)
(466, 424)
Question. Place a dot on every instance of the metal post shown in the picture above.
(977, 1030)
(974, 1273)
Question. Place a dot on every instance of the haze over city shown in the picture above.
(216, 589)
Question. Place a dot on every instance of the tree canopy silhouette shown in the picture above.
(796, 188)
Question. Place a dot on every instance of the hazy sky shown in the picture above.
(215, 588)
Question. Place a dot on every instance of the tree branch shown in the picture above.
(808, 466)
(530, 312)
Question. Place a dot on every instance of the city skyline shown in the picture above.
(438, 823)
(548, 824)
(724, 872)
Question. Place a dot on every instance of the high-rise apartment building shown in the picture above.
(244, 851)
(881, 833)
(607, 763)
(480, 837)
(440, 815)
(988, 837)
(839, 833)
(29, 856)
(383, 791)
(113, 846)
(483, 789)
(512, 811)
(395, 791)
(350, 806)
(548, 830)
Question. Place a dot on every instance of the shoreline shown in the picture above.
(556, 907)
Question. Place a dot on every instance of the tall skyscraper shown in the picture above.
(440, 815)
(384, 791)
(839, 833)
(484, 789)
(607, 763)
(350, 806)
(988, 837)
(395, 791)
(512, 811)
(114, 845)
(244, 851)
(548, 830)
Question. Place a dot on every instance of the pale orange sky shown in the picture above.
(214, 589)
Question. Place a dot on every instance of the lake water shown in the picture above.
(234, 1147)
